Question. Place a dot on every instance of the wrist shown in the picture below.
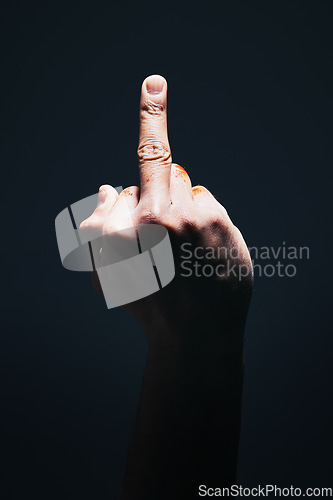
(204, 357)
(197, 333)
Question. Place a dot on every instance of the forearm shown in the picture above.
(187, 428)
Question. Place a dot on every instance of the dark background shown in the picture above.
(250, 112)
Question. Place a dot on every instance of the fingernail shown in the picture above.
(154, 84)
(101, 197)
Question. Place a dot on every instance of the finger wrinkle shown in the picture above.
(152, 108)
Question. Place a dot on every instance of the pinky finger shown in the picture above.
(202, 197)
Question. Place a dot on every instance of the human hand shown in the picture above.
(212, 287)
(188, 422)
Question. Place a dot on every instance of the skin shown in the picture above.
(187, 428)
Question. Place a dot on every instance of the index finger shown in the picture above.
(154, 155)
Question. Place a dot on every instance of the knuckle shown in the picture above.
(220, 221)
(130, 191)
(217, 225)
(90, 229)
(182, 227)
(93, 221)
(108, 228)
(224, 213)
(199, 189)
(150, 108)
(153, 151)
(86, 225)
(211, 223)
(151, 215)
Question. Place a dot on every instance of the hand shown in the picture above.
(218, 279)
(187, 427)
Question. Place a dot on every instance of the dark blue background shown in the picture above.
(250, 112)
